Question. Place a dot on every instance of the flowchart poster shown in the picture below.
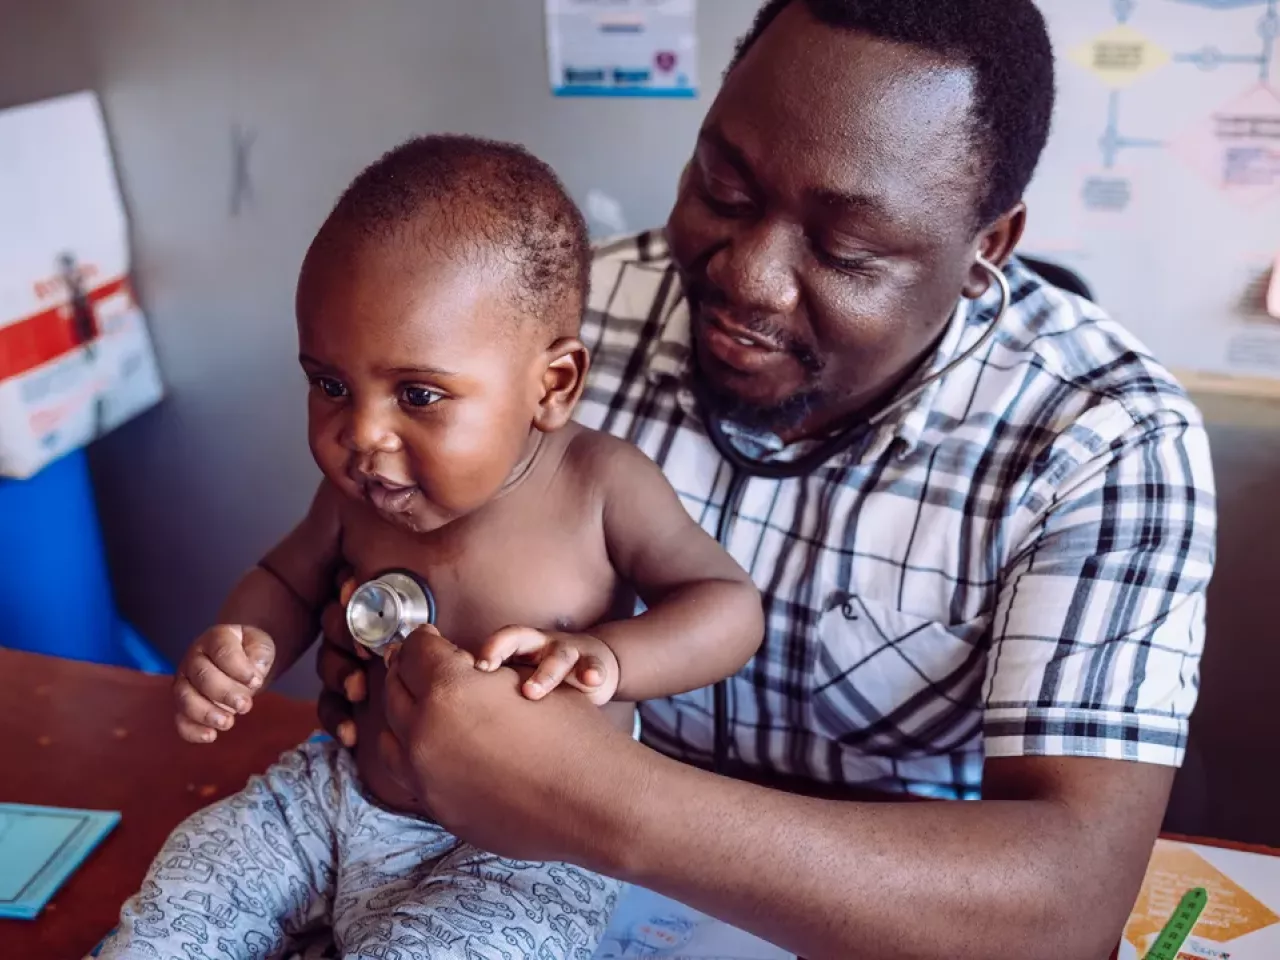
(1161, 182)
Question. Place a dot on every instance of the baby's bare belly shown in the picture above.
(371, 721)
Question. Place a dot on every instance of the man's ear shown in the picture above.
(563, 380)
(996, 244)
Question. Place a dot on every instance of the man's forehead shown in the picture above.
(845, 113)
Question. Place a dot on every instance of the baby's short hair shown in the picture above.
(495, 199)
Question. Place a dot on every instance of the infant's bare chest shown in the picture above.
(532, 571)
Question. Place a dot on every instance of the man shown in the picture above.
(995, 590)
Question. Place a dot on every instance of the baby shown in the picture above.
(438, 312)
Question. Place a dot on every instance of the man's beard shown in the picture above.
(785, 416)
(782, 416)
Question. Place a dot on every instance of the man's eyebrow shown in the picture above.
(730, 152)
(860, 203)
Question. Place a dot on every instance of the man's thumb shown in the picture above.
(426, 649)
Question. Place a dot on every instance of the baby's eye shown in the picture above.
(419, 396)
(331, 388)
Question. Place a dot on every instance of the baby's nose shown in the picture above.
(370, 431)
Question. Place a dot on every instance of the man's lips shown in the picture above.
(741, 335)
(736, 347)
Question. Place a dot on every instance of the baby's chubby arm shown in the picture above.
(704, 619)
(265, 625)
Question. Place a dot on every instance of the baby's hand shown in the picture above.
(217, 679)
(578, 659)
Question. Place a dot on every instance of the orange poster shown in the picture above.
(1242, 919)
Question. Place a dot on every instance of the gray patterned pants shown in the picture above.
(301, 851)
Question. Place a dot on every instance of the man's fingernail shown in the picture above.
(222, 721)
(240, 704)
(482, 665)
(255, 682)
(207, 736)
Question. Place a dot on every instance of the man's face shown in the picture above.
(424, 378)
(825, 226)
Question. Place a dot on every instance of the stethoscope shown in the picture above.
(388, 608)
(743, 468)
(393, 604)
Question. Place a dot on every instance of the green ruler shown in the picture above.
(1176, 931)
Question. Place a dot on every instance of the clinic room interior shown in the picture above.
(593, 479)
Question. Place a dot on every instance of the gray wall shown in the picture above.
(194, 491)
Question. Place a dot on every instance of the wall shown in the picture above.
(40, 56)
(1236, 728)
(193, 492)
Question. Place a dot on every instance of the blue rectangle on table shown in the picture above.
(39, 848)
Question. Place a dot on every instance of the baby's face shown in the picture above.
(424, 379)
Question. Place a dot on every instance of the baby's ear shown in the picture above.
(563, 380)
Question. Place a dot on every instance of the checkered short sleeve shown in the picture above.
(1100, 618)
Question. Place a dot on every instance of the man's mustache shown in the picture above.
(705, 296)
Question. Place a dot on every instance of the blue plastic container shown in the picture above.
(55, 593)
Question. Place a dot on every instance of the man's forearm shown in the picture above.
(984, 880)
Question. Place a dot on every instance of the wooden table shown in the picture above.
(81, 735)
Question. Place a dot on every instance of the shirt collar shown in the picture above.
(669, 363)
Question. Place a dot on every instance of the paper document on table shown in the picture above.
(1242, 918)
(647, 925)
(39, 848)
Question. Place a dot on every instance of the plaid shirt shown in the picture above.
(1014, 565)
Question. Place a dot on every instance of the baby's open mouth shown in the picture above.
(389, 497)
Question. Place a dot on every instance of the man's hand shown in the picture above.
(340, 664)
(579, 660)
(460, 738)
(218, 678)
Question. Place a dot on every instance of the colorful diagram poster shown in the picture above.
(622, 48)
(1242, 918)
(1161, 182)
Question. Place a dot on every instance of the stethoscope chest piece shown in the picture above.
(388, 608)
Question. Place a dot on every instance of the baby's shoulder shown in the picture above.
(596, 455)
(607, 464)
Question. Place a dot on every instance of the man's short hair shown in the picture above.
(477, 197)
(1004, 42)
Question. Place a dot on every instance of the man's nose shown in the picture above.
(755, 270)
(370, 429)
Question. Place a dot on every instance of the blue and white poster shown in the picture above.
(622, 48)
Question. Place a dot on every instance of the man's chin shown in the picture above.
(777, 415)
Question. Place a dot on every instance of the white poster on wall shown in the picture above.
(622, 48)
